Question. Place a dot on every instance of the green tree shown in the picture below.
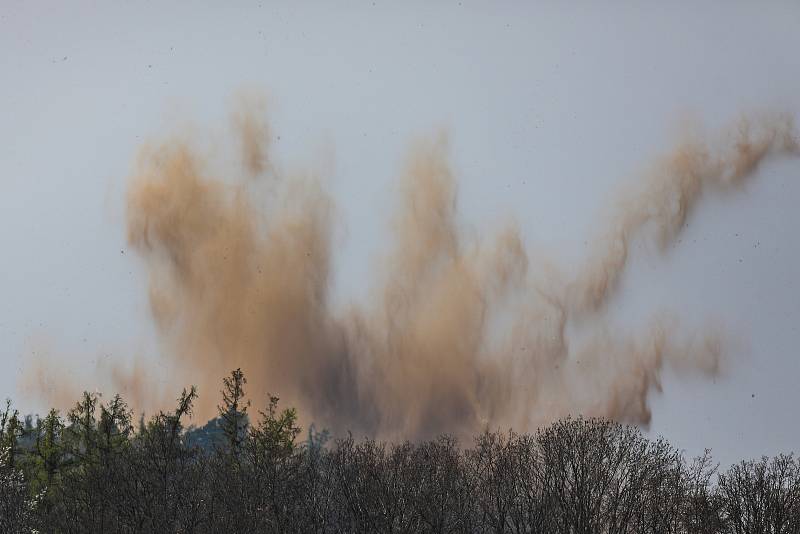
(10, 432)
(80, 436)
(276, 431)
(233, 410)
(48, 451)
(115, 426)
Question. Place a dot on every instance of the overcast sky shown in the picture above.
(550, 110)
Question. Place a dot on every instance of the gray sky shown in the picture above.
(550, 110)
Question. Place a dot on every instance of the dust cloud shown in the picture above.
(460, 333)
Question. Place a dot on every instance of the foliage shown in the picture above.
(91, 471)
(233, 412)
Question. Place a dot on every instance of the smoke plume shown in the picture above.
(461, 333)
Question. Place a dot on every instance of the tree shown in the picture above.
(48, 455)
(81, 433)
(161, 480)
(762, 497)
(271, 451)
(603, 477)
(233, 411)
(439, 487)
(17, 508)
(91, 472)
(494, 473)
(276, 431)
(701, 503)
(10, 432)
(115, 426)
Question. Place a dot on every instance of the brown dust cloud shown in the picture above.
(459, 334)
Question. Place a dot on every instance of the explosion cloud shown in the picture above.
(461, 333)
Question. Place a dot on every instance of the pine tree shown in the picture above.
(233, 410)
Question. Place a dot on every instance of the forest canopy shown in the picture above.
(253, 469)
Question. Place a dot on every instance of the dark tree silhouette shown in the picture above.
(92, 472)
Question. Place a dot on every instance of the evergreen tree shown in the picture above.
(233, 411)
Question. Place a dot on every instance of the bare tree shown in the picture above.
(440, 491)
(762, 497)
(93, 473)
(493, 473)
(603, 477)
(701, 503)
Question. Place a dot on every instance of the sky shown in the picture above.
(549, 110)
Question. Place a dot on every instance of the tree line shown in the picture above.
(97, 470)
